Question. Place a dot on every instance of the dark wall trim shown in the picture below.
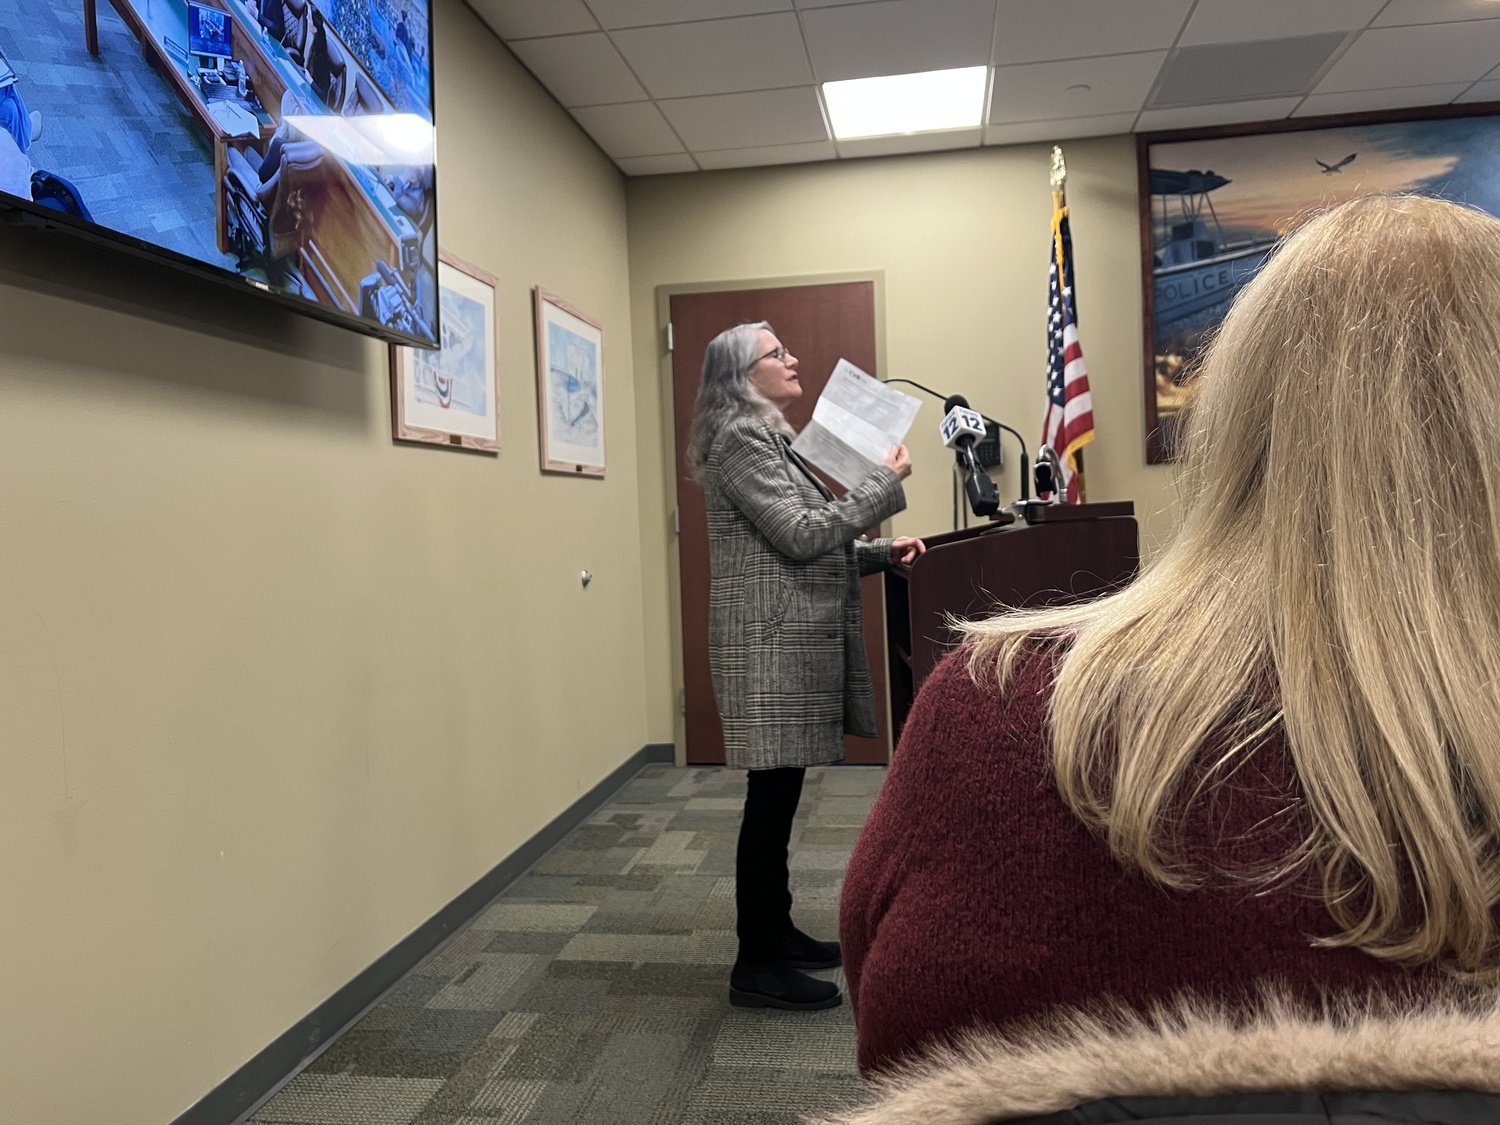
(247, 1088)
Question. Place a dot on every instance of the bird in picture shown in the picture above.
(1334, 169)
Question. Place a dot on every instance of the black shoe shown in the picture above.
(802, 952)
(777, 985)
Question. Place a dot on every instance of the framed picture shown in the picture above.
(1215, 202)
(451, 396)
(570, 387)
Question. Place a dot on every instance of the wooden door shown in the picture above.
(821, 324)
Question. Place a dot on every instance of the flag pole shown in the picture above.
(1059, 179)
(1059, 202)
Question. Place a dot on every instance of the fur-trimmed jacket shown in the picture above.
(1004, 966)
(1436, 1063)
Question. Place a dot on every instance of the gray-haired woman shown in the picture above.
(786, 643)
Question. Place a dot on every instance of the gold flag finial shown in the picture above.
(1059, 171)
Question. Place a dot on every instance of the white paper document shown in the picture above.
(855, 423)
(236, 120)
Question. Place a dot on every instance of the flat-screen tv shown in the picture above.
(208, 31)
(279, 145)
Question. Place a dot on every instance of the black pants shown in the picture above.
(762, 896)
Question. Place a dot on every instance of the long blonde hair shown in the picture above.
(1340, 541)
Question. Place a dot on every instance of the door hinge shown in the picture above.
(669, 335)
(676, 521)
(682, 701)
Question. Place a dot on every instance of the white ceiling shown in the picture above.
(684, 85)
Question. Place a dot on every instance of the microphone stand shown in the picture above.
(1025, 461)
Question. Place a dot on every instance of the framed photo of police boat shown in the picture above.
(1215, 202)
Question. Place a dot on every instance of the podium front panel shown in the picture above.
(979, 574)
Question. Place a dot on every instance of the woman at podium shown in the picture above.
(1225, 845)
(786, 642)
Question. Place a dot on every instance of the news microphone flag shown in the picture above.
(1069, 422)
(960, 422)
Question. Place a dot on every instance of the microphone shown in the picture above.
(958, 400)
(960, 428)
(1048, 472)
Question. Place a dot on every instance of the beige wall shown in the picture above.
(272, 689)
(962, 242)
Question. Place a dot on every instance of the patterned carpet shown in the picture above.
(596, 988)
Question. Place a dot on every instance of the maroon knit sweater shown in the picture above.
(976, 897)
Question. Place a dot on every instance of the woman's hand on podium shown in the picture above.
(906, 550)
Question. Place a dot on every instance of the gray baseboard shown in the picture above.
(247, 1088)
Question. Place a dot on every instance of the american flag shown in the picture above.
(1069, 423)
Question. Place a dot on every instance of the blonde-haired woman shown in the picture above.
(1228, 842)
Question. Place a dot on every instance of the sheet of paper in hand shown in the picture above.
(855, 423)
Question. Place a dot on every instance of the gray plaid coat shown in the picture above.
(785, 639)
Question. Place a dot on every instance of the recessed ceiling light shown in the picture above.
(906, 103)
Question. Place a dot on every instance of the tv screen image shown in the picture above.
(281, 144)
(208, 31)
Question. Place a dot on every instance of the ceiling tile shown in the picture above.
(1234, 21)
(580, 69)
(640, 13)
(1225, 113)
(937, 141)
(519, 19)
(770, 154)
(1399, 12)
(1416, 56)
(1028, 131)
(828, 3)
(755, 120)
(1397, 97)
(1069, 29)
(1041, 91)
(1486, 91)
(637, 129)
(656, 165)
(1232, 72)
(717, 56)
(898, 37)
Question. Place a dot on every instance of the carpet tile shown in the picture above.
(507, 1100)
(483, 986)
(347, 1099)
(527, 917)
(595, 988)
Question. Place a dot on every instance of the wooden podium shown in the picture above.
(1064, 553)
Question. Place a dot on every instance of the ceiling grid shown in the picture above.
(688, 85)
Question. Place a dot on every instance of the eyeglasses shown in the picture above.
(780, 353)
